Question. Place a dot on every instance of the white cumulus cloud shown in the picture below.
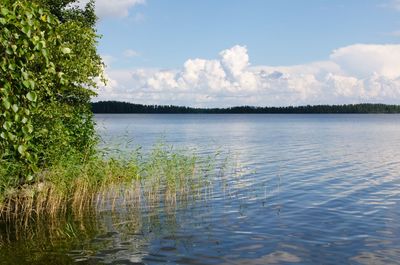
(365, 60)
(356, 73)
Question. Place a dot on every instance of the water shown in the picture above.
(308, 189)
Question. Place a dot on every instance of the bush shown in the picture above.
(48, 71)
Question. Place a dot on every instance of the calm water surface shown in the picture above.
(308, 189)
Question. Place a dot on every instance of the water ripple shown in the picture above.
(304, 189)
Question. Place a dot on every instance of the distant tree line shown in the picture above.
(125, 107)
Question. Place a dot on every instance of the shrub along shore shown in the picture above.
(48, 70)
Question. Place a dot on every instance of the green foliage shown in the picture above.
(58, 8)
(47, 73)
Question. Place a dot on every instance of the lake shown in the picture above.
(305, 189)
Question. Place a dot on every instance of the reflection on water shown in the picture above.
(303, 189)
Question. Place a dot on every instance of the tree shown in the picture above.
(48, 70)
(66, 10)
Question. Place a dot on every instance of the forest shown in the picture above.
(125, 107)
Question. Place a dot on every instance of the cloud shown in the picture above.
(131, 53)
(356, 73)
(108, 59)
(139, 17)
(113, 8)
(391, 4)
(395, 33)
(365, 60)
(395, 4)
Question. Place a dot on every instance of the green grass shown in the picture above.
(76, 186)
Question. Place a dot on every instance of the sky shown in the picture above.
(208, 53)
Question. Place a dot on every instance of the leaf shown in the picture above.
(27, 129)
(25, 75)
(21, 149)
(29, 84)
(31, 96)
(9, 51)
(66, 50)
(15, 108)
(4, 11)
(7, 125)
(45, 53)
(30, 128)
(29, 177)
(11, 136)
(6, 103)
(27, 30)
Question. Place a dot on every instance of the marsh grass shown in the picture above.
(107, 182)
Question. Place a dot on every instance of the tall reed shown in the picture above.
(104, 182)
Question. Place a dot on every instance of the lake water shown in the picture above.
(307, 189)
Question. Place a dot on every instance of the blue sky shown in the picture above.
(259, 52)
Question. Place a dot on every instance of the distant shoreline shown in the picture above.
(117, 107)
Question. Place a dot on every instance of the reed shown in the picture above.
(73, 186)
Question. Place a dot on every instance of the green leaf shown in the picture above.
(29, 84)
(30, 128)
(45, 53)
(9, 51)
(6, 103)
(21, 149)
(7, 125)
(29, 177)
(4, 11)
(25, 75)
(66, 50)
(27, 129)
(31, 96)
(15, 108)
(27, 30)
(11, 136)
